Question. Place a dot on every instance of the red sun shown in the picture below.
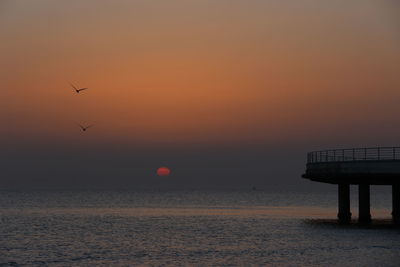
(163, 171)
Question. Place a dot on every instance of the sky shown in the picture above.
(228, 94)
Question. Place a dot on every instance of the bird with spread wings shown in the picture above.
(78, 90)
(84, 128)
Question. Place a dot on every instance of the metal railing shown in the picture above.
(354, 154)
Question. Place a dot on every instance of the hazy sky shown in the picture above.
(226, 92)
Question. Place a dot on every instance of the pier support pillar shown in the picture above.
(364, 214)
(396, 202)
(344, 214)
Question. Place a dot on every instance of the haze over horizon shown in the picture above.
(225, 93)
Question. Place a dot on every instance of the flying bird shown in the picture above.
(84, 128)
(78, 90)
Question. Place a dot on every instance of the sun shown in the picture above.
(163, 171)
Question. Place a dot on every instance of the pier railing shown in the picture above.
(354, 154)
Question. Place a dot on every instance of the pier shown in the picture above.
(357, 166)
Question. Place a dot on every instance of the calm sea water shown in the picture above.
(189, 228)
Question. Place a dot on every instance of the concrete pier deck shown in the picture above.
(357, 166)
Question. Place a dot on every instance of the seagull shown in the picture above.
(76, 89)
(84, 128)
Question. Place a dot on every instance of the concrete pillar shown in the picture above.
(344, 214)
(396, 203)
(364, 214)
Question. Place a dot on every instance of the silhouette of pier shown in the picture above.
(357, 166)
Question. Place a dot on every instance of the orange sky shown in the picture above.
(200, 71)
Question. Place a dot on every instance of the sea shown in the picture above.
(191, 228)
